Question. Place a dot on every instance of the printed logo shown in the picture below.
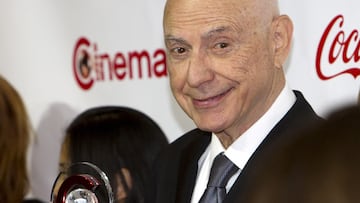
(338, 52)
(91, 66)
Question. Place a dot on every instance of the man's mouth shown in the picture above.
(210, 101)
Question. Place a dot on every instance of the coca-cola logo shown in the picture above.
(91, 66)
(338, 52)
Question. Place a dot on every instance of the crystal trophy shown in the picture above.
(82, 182)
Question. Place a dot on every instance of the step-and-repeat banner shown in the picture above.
(67, 56)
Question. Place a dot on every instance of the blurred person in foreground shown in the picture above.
(15, 138)
(121, 141)
(322, 165)
(225, 61)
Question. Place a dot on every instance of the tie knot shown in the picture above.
(221, 171)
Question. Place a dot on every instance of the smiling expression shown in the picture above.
(222, 61)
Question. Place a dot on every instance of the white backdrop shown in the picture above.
(37, 45)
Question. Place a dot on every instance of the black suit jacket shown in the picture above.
(175, 170)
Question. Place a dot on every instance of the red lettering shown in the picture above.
(355, 54)
(105, 61)
(333, 54)
(340, 49)
(137, 57)
(118, 66)
(160, 65)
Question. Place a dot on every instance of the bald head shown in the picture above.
(264, 9)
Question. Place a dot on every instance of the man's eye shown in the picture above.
(179, 50)
(221, 45)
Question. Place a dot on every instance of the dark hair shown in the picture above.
(114, 137)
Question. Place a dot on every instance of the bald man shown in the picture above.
(225, 60)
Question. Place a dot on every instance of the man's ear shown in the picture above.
(282, 27)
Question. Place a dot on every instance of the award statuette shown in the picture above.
(82, 183)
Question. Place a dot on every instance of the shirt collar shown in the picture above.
(242, 148)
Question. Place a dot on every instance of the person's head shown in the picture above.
(322, 165)
(15, 134)
(121, 141)
(225, 59)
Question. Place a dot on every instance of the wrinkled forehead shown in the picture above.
(188, 11)
(183, 8)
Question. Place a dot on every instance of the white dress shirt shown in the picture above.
(242, 148)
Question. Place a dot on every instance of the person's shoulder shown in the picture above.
(303, 110)
(190, 137)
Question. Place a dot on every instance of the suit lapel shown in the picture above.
(300, 116)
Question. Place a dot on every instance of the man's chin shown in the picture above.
(210, 128)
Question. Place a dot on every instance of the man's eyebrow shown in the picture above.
(176, 39)
(210, 33)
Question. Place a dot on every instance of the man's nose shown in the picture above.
(199, 70)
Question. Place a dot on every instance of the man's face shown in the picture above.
(220, 60)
